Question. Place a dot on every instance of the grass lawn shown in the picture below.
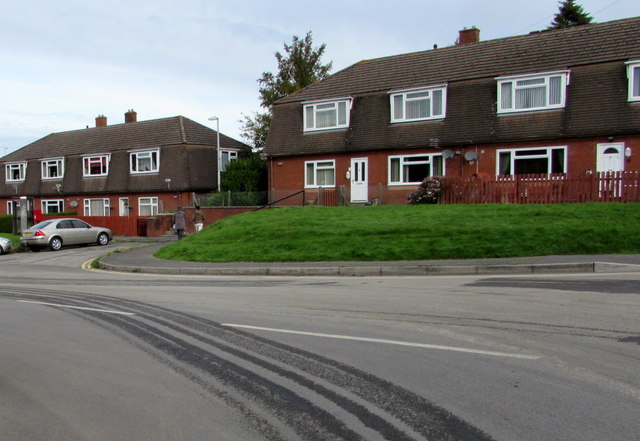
(395, 232)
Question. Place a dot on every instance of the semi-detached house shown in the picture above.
(556, 101)
(136, 168)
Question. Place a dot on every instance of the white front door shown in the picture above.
(359, 180)
(610, 157)
(123, 207)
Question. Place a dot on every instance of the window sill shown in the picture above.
(525, 111)
(413, 121)
(314, 131)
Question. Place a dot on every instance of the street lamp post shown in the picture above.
(217, 120)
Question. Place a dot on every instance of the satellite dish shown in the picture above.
(448, 154)
(471, 156)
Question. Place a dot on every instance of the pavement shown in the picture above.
(136, 255)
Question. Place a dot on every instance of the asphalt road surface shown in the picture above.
(91, 355)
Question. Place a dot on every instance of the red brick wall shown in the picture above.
(287, 173)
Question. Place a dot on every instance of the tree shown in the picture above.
(244, 183)
(570, 14)
(299, 66)
(245, 174)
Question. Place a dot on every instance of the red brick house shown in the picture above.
(557, 101)
(137, 169)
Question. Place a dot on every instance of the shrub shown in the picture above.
(6, 224)
(428, 192)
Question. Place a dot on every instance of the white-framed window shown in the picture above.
(50, 206)
(52, 168)
(95, 165)
(522, 93)
(326, 115)
(412, 169)
(15, 171)
(226, 156)
(147, 161)
(148, 206)
(633, 73)
(537, 160)
(320, 174)
(419, 104)
(96, 207)
(10, 205)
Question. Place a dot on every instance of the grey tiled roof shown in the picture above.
(534, 52)
(187, 158)
(126, 136)
(596, 97)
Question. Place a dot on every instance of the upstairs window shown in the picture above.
(532, 92)
(145, 161)
(96, 165)
(633, 72)
(15, 171)
(52, 168)
(226, 156)
(327, 115)
(418, 104)
(543, 160)
(412, 169)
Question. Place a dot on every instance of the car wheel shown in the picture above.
(2, 251)
(55, 244)
(103, 239)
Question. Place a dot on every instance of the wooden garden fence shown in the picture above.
(542, 188)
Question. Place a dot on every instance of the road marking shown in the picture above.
(108, 311)
(392, 342)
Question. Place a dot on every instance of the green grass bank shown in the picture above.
(414, 233)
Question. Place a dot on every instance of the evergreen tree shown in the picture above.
(299, 66)
(570, 14)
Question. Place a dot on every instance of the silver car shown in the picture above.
(5, 245)
(55, 233)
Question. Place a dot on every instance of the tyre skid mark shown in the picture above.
(407, 416)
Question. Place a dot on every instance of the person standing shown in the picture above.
(179, 222)
(198, 218)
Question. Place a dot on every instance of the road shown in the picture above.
(92, 355)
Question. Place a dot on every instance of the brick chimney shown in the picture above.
(101, 121)
(131, 116)
(467, 36)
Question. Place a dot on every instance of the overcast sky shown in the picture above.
(64, 62)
